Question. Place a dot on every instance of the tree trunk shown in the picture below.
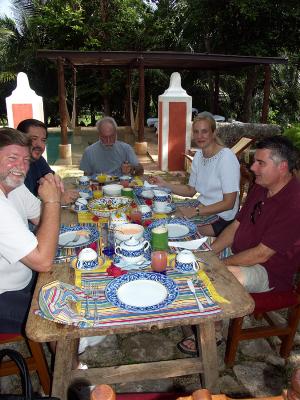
(93, 116)
(250, 84)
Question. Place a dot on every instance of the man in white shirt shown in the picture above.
(21, 252)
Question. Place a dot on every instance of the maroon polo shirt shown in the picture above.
(277, 226)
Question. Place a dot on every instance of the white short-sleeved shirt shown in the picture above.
(16, 240)
(214, 176)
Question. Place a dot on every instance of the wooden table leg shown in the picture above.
(66, 351)
(206, 337)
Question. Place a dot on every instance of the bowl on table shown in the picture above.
(104, 206)
(126, 231)
(112, 190)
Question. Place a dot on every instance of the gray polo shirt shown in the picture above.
(98, 158)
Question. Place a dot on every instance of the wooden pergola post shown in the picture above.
(65, 151)
(266, 100)
(216, 93)
(74, 109)
(141, 99)
(128, 98)
(62, 101)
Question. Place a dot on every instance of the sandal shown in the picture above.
(185, 349)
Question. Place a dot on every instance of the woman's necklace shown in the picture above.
(212, 156)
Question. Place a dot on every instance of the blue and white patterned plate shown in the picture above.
(178, 228)
(141, 292)
(67, 234)
(87, 193)
(139, 191)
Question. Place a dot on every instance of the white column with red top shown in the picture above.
(23, 103)
(174, 126)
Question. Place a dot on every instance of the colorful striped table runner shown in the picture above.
(108, 315)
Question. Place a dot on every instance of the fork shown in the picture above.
(192, 289)
(94, 295)
(207, 298)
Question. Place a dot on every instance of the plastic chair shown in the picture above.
(35, 362)
(265, 303)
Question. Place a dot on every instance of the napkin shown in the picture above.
(59, 302)
(189, 244)
(211, 289)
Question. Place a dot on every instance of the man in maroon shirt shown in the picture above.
(265, 236)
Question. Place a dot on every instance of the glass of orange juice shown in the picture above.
(101, 178)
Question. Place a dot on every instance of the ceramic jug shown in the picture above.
(132, 250)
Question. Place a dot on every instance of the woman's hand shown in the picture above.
(157, 180)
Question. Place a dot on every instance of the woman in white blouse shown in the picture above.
(215, 174)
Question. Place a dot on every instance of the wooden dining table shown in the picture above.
(67, 337)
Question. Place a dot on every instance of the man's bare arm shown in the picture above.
(225, 239)
(41, 258)
(256, 255)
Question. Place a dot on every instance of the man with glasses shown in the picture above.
(265, 236)
(109, 155)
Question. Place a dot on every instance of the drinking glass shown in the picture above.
(136, 217)
(159, 261)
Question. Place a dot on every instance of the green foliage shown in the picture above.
(293, 133)
(246, 27)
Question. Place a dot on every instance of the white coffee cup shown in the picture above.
(84, 195)
(145, 210)
(185, 262)
(161, 206)
(84, 180)
(87, 259)
(81, 204)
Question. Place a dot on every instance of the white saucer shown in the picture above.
(143, 263)
(167, 210)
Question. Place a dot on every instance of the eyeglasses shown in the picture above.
(108, 140)
(257, 210)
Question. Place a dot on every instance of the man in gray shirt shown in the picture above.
(110, 155)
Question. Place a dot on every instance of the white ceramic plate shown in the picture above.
(147, 194)
(66, 239)
(168, 209)
(142, 293)
(177, 230)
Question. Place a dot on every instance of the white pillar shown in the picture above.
(174, 128)
(23, 103)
